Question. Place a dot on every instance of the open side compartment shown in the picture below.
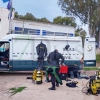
(4, 55)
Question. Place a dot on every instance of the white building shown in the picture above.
(4, 22)
(18, 26)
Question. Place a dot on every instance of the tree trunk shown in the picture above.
(99, 39)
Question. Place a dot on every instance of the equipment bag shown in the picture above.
(71, 84)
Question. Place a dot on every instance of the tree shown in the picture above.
(29, 16)
(85, 10)
(82, 33)
(43, 20)
(64, 21)
(16, 15)
(21, 17)
(57, 20)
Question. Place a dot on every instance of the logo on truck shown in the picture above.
(89, 48)
(68, 48)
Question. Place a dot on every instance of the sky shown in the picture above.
(40, 9)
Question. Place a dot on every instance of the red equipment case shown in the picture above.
(63, 72)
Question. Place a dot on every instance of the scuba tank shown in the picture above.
(94, 84)
(37, 76)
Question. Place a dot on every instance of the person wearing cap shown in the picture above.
(53, 60)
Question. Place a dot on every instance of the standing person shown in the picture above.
(53, 59)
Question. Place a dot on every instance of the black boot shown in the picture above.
(57, 84)
(52, 88)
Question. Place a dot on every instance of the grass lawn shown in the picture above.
(98, 58)
(90, 68)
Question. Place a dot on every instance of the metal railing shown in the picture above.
(41, 33)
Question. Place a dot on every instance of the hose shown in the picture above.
(87, 87)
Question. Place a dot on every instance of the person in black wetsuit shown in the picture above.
(53, 59)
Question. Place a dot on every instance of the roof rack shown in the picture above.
(43, 33)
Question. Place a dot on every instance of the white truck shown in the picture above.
(20, 50)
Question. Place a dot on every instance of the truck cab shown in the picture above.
(4, 55)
